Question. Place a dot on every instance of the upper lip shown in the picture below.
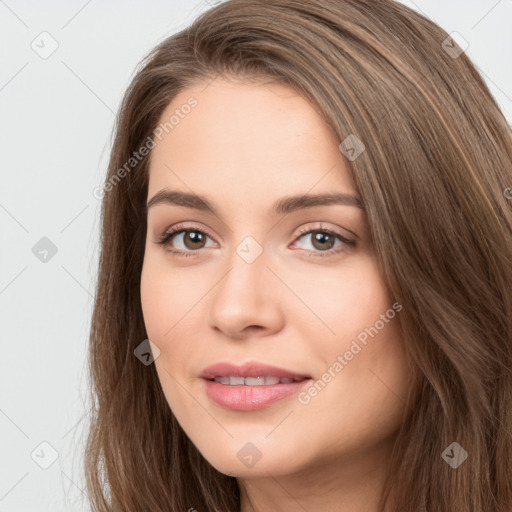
(250, 369)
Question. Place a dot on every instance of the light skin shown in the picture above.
(298, 305)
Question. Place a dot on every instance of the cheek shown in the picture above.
(171, 311)
(342, 301)
(364, 298)
(166, 298)
(360, 327)
(154, 301)
(165, 303)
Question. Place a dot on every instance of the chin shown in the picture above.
(248, 461)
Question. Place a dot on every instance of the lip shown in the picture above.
(250, 398)
(250, 369)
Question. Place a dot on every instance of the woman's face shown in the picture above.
(271, 286)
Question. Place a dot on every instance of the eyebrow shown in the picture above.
(284, 205)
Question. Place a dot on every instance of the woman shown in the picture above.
(304, 295)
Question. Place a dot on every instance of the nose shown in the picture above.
(247, 300)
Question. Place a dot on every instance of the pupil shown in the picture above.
(322, 239)
(195, 237)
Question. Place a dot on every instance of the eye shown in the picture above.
(323, 241)
(191, 237)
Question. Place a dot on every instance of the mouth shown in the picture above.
(250, 372)
(233, 380)
(250, 386)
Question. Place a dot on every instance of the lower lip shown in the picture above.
(250, 398)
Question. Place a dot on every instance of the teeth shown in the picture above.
(254, 381)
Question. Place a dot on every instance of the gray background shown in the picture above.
(56, 119)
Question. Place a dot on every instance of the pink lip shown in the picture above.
(250, 398)
(251, 369)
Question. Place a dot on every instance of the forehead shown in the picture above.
(253, 141)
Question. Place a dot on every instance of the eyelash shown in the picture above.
(180, 228)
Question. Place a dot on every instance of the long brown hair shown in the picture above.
(435, 180)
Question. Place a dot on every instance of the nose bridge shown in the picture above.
(243, 296)
(247, 262)
(249, 250)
